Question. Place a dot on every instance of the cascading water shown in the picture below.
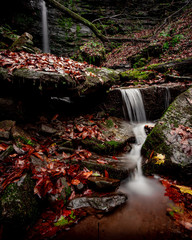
(167, 97)
(133, 109)
(45, 27)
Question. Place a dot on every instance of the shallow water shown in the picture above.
(142, 217)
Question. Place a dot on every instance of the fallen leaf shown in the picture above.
(106, 174)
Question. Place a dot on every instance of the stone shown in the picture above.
(7, 124)
(19, 206)
(103, 203)
(47, 129)
(55, 84)
(24, 43)
(172, 138)
(103, 183)
(93, 53)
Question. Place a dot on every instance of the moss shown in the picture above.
(109, 123)
(99, 147)
(156, 142)
(18, 203)
(114, 172)
(136, 74)
(153, 66)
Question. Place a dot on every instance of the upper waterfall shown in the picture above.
(133, 107)
(46, 48)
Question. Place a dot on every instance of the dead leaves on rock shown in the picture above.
(45, 62)
(183, 135)
(181, 207)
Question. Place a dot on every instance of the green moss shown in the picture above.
(109, 123)
(153, 66)
(18, 203)
(136, 74)
(99, 147)
(156, 142)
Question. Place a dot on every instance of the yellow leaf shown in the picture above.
(160, 158)
(184, 189)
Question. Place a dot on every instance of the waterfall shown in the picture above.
(45, 27)
(133, 107)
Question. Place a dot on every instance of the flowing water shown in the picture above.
(46, 48)
(133, 109)
(143, 217)
(167, 97)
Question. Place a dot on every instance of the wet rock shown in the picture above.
(37, 163)
(93, 53)
(47, 129)
(154, 100)
(182, 66)
(24, 43)
(18, 132)
(172, 137)
(79, 187)
(103, 203)
(103, 183)
(4, 134)
(55, 84)
(118, 133)
(7, 124)
(19, 206)
(141, 58)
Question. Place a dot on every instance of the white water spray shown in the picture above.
(45, 28)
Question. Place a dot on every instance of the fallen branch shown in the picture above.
(87, 23)
(169, 17)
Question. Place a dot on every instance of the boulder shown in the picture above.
(103, 183)
(156, 99)
(19, 206)
(103, 203)
(28, 82)
(24, 43)
(168, 147)
(92, 52)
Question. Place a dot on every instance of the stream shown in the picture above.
(144, 214)
(142, 217)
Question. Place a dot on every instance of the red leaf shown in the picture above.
(106, 174)
(114, 158)
(75, 181)
(84, 135)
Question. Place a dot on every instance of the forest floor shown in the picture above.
(176, 40)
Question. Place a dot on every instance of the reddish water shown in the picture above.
(142, 217)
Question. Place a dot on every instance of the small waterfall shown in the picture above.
(45, 27)
(167, 97)
(133, 107)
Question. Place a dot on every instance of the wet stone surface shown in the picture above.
(103, 203)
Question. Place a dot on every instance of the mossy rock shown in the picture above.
(143, 57)
(92, 52)
(163, 140)
(19, 207)
(109, 147)
(136, 74)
